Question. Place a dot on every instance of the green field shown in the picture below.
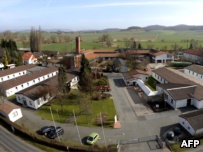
(157, 39)
(71, 103)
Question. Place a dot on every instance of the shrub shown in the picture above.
(96, 96)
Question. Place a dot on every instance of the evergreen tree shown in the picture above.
(85, 65)
(5, 59)
(191, 47)
(19, 60)
(62, 80)
(139, 46)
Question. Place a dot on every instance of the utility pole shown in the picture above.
(103, 129)
(54, 122)
(77, 127)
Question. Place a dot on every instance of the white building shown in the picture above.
(194, 56)
(1, 65)
(29, 58)
(132, 76)
(192, 122)
(13, 73)
(36, 96)
(161, 57)
(178, 91)
(15, 85)
(195, 71)
(10, 111)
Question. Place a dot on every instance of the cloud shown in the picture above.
(143, 3)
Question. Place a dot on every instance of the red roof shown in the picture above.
(7, 107)
(194, 52)
(27, 56)
(134, 72)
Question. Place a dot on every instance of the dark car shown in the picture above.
(177, 130)
(170, 135)
(55, 133)
(46, 129)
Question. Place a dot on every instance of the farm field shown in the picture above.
(157, 39)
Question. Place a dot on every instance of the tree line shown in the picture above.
(11, 55)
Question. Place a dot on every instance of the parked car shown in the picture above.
(177, 130)
(92, 138)
(46, 129)
(170, 135)
(55, 133)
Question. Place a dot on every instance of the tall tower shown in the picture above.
(77, 40)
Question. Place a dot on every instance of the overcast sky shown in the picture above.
(97, 14)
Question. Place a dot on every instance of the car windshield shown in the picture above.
(90, 138)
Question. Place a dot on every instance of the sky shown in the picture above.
(97, 14)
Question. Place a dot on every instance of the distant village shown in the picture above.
(175, 80)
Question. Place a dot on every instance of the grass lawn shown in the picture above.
(70, 104)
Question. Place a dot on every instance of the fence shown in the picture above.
(153, 141)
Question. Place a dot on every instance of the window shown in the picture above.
(14, 75)
(8, 76)
(188, 128)
(28, 83)
(15, 113)
(19, 73)
(30, 102)
(166, 96)
(34, 81)
(2, 79)
(19, 98)
(146, 78)
(43, 77)
(23, 72)
(39, 79)
(197, 74)
(183, 123)
(22, 85)
(172, 101)
(16, 88)
(189, 71)
(38, 102)
(48, 76)
(52, 74)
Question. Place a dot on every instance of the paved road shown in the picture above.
(11, 143)
(136, 120)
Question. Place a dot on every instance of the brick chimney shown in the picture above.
(77, 40)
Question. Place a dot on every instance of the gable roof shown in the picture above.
(195, 119)
(135, 71)
(196, 68)
(171, 76)
(181, 93)
(41, 89)
(16, 69)
(7, 107)
(194, 52)
(26, 78)
(27, 56)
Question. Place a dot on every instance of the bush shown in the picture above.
(105, 96)
(180, 64)
(102, 81)
(96, 96)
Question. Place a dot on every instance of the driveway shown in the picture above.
(136, 119)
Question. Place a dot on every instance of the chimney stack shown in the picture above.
(77, 45)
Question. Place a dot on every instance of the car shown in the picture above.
(92, 138)
(170, 135)
(177, 130)
(46, 129)
(55, 133)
